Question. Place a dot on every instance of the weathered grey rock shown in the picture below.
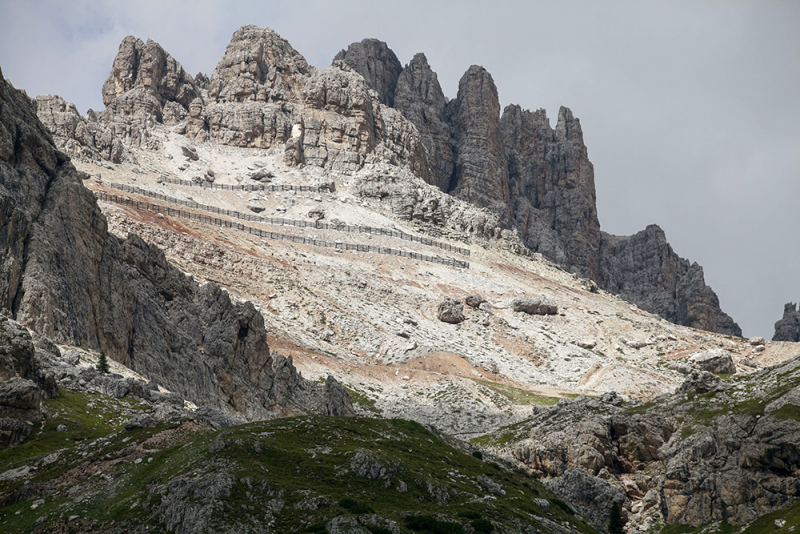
(534, 306)
(190, 152)
(255, 207)
(13, 431)
(481, 169)
(259, 66)
(376, 62)
(552, 190)
(148, 66)
(490, 485)
(714, 361)
(699, 381)
(589, 495)
(140, 421)
(420, 99)
(756, 341)
(64, 276)
(788, 328)
(21, 398)
(316, 213)
(450, 311)
(644, 269)
(474, 301)
(687, 458)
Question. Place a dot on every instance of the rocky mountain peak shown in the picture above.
(259, 66)
(568, 128)
(481, 171)
(149, 67)
(537, 181)
(420, 99)
(376, 62)
(788, 328)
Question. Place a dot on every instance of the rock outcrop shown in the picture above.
(788, 328)
(420, 99)
(23, 384)
(698, 456)
(644, 269)
(533, 180)
(376, 62)
(534, 306)
(480, 175)
(64, 276)
(552, 188)
(450, 311)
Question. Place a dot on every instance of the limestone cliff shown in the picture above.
(698, 456)
(65, 276)
(365, 108)
(644, 269)
(788, 328)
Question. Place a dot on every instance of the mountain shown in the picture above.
(66, 277)
(536, 180)
(406, 254)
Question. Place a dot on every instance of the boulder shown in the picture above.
(474, 301)
(714, 361)
(450, 311)
(534, 306)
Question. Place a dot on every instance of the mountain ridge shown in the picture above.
(537, 180)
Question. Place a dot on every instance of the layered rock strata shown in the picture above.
(65, 276)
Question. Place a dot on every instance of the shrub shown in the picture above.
(564, 506)
(478, 455)
(483, 525)
(347, 502)
(615, 522)
(428, 523)
(102, 363)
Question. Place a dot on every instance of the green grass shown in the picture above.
(517, 395)
(787, 411)
(766, 523)
(292, 459)
(363, 399)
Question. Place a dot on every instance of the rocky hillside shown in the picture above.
(111, 452)
(718, 450)
(533, 179)
(66, 277)
(218, 236)
(788, 328)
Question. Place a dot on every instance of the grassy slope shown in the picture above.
(294, 474)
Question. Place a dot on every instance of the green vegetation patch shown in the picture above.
(296, 474)
(519, 396)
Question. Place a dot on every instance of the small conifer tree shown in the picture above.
(615, 522)
(102, 364)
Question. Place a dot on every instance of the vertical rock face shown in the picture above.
(534, 179)
(259, 66)
(420, 99)
(644, 269)
(788, 328)
(376, 62)
(63, 275)
(552, 187)
(147, 66)
(480, 175)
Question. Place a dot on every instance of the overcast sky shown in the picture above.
(690, 109)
